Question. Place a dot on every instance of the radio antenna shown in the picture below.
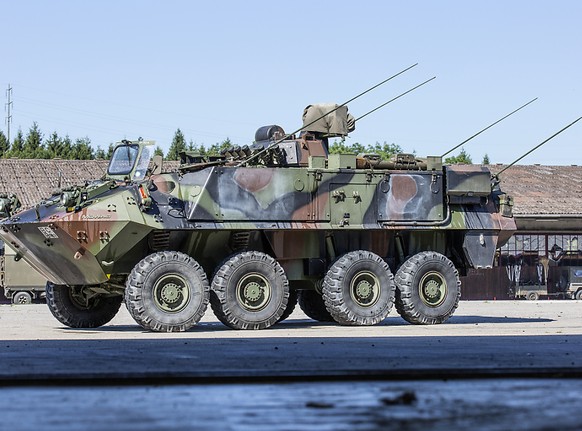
(393, 99)
(537, 146)
(488, 127)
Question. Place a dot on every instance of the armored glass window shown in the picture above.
(123, 160)
(143, 163)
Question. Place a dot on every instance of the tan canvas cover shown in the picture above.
(337, 123)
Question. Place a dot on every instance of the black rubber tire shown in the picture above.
(71, 313)
(21, 298)
(359, 289)
(255, 275)
(532, 296)
(291, 303)
(167, 291)
(311, 303)
(578, 295)
(433, 268)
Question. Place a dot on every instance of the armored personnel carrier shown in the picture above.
(260, 228)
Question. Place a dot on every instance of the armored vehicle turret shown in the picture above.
(260, 228)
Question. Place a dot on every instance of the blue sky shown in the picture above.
(110, 70)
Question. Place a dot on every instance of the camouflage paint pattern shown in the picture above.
(304, 214)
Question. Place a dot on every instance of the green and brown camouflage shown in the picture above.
(261, 227)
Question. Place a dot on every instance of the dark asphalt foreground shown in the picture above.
(495, 366)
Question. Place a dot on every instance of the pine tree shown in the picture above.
(462, 159)
(177, 146)
(54, 147)
(4, 145)
(82, 150)
(33, 147)
(202, 150)
(17, 145)
(158, 151)
(67, 148)
(110, 151)
(485, 160)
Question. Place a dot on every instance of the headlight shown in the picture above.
(69, 199)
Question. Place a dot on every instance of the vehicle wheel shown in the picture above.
(428, 289)
(22, 298)
(167, 291)
(291, 303)
(73, 308)
(358, 289)
(579, 295)
(532, 296)
(250, 291)
(311, 303)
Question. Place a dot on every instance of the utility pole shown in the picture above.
(8, 111)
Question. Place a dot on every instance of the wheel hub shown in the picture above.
(365, 289)
(253, 292)
(433, 288)
(171, 293)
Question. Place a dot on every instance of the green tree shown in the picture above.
(33, 146)
(110, 149)
(462, 159)
(201, 150)
(4, 144)
(17, 145)
(386, 150)
(54, 147)
(217, 148)
(100, 153)
(67, 148)
(177, 146)
(82, 150)
(158, 151)
(485, 160)
(342, 148)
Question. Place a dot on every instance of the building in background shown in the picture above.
(544, 257)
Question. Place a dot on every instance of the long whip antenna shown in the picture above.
(393, 99)
(488, 127)
(537, 146)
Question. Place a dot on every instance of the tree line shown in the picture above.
(34, 145)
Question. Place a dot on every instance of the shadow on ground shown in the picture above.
(191, 358)
(307, 323)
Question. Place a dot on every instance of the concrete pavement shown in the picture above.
(498, 337)
(493, 366)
